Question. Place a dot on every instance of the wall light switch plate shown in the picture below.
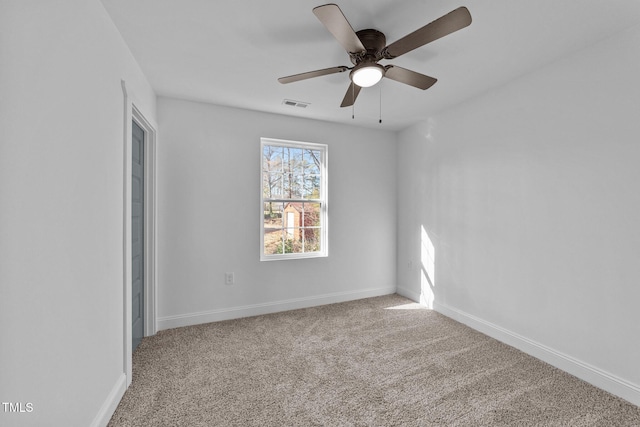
(229, 278)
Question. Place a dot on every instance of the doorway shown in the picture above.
(139, 230)
(137, 234)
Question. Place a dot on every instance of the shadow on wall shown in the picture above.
(427, 269)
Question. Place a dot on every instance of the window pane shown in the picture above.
(272, 185)
(312, 176)
(290, 172)
(271, 159)
(290, 157)
(294, 244)
(267, 186)
(273, 232)
(283, 242)
(311, 239)
(272, 216)
(273, 242)
(311, 214)
(275, 158)
(311, 187)
(297, 161)
(291, 218)
(293, 173)
(292, 186)
(312, 162)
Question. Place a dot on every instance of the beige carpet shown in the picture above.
(373, 362)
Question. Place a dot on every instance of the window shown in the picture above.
(293, 220)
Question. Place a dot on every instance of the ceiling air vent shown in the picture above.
(299, 104)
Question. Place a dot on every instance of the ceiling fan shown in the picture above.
(367, 47)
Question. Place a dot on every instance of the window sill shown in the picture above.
(283, 257)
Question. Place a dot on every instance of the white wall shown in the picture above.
(209, 204)
(61, 208)
(527, 194)
(530, 197)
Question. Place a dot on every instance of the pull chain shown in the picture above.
(353, 101)
(380, 116)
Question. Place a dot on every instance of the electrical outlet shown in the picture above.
(229, 278)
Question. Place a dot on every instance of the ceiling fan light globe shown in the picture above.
(368, 75)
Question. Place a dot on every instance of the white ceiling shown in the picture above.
(232, 52)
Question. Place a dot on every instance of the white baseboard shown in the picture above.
(575, 367)
(407, 293)
(111, 403)
(217, 315)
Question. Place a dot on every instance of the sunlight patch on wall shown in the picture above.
(427, 270)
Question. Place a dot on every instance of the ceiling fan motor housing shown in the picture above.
(374, 41)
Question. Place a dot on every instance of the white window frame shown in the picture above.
(324, 226)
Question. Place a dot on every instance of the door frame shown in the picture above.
(132, 112)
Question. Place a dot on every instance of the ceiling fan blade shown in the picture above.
(447, 24)
(351, 95)
(333, 18)
(409, 77)
(310, 74)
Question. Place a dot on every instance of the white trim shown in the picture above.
(591, 374)
(111, 403)
(189, 319)
(407, 293)
(132, 112)
(150, 221)
(126, 237)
